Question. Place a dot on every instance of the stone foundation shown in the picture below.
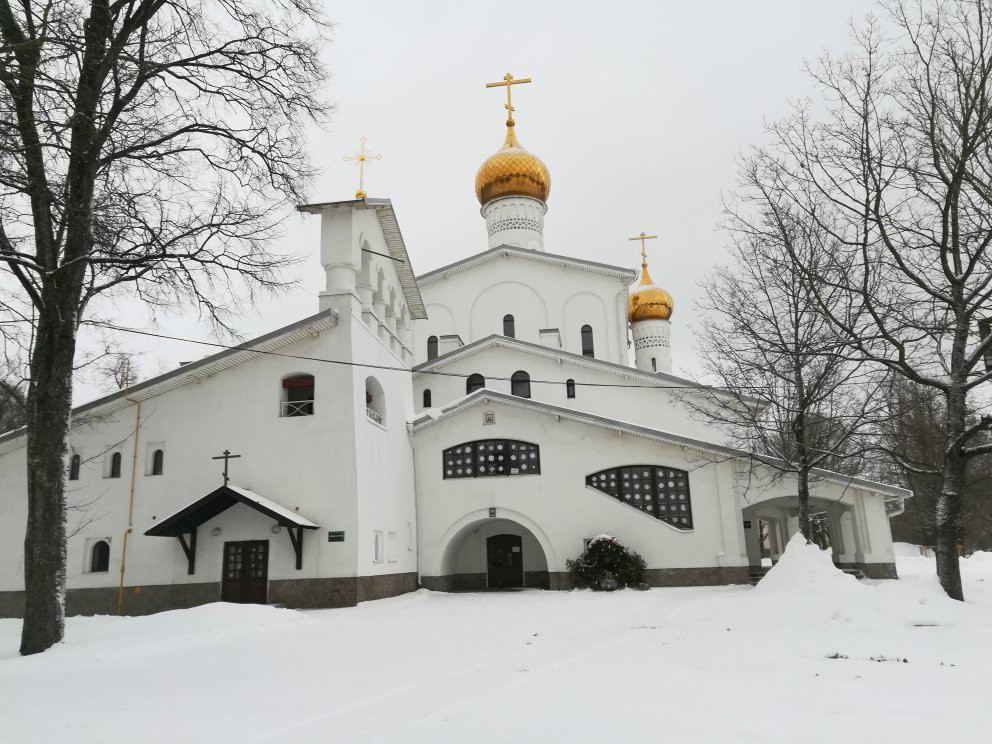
(710, 576)
(295, 593)
(873, 570)
(562, 580)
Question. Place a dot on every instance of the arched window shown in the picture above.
(520, 384)
(375, 401)
(569, 388)
(587, 341)
(491, 457)
(298, 395)
(100, 557)
(115, 465)
(427, 398)
(660, 492)
(509, 327)
(474, 382)
(158, 462)
(432, 348)
(74, 464)
(654, 364)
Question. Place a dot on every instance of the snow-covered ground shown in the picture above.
(810, 655)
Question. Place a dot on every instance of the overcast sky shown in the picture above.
(639, 109)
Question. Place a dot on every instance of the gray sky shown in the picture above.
(639, 110)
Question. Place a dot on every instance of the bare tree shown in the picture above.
(12, 407)
(787, 393)
(147, 147)
(898, 171)
(913, 442)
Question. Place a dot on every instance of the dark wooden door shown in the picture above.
(246, 572)
(505, 561)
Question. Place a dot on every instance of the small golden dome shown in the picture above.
(648, 301)
(512, 172)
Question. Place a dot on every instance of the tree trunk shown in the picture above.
(948, 513)
(49, 407)
(804, 524)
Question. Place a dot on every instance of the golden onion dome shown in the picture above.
(649, 301)
(512, 171)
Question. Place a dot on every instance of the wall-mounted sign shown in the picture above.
(488, 418)
(492, 511)
(335, 536)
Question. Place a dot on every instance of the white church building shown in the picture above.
(469, 428)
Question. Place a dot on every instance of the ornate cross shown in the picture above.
(508, 82)
(361, 158)
(225, 457)
(642, 237)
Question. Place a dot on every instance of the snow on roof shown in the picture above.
(272, 506)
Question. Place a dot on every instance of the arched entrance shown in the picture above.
(491, 553)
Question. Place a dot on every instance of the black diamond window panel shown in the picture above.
(661, 492)
(492, 457)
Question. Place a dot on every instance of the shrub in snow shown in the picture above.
(607, 565)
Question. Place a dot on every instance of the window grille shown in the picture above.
(660, 492)
(492, 457)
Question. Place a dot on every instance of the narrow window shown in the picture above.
(509, 327)
(298, 395)
(654, 364)
(520, 384)
(100, 557)
(375, 401)
(474, 382)
(427, 398)
(74, 464)
(432, 348)
(570, 388)
(158, 462)
(587, 349)
(377, 547)
(115, 465)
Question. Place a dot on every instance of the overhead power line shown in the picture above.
(390, 368)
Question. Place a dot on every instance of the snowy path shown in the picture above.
(724, 664)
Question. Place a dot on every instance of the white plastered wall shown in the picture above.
(471, 303)
(557, 506)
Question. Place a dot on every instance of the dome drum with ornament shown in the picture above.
(512, 186)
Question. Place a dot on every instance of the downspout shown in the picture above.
(130, 505)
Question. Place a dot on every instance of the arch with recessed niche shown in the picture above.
(462, 557)
(375, 400)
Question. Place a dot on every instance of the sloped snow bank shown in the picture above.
(805, 569)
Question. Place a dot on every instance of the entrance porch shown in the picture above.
(491, 554)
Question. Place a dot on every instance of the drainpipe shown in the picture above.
(130, 505)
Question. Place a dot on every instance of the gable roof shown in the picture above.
(194, 371)
(487, 397)
(383, 209)
(627, 276)
(496, 341)
(204, 509)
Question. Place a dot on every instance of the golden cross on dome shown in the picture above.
(509, 81)
(642, 237)
(361, 158)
